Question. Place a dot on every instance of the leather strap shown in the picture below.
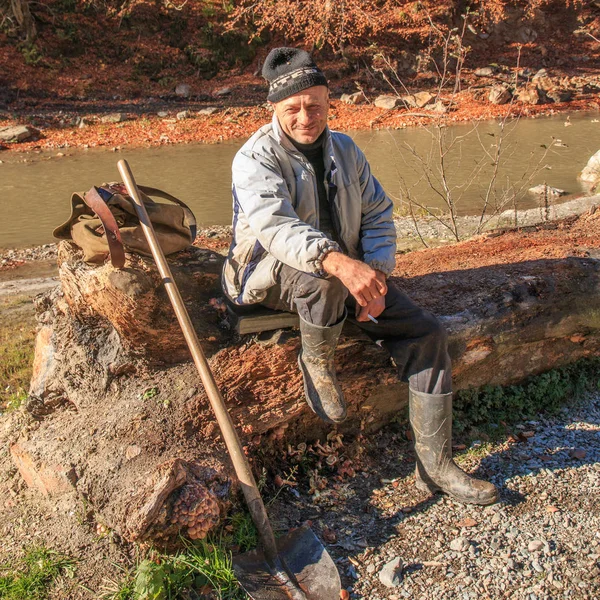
(111, 229)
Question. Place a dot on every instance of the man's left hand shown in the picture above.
(374, 308)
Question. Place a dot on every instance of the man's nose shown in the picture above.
(303, 116)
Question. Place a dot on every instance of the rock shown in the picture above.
(591, 172)
(529, 95)
(114, 118)
(535, 545)
(183, 90)
(460, 544)
(418, 100)
(355, 98)
(184, 114)
(209, 110)
(526, 34)
(542, 73)
(388, 102)
(391, 574)
(544, 83)
(439, 107)
(162, 114)
(51, 479)
(577, 453)
(559, 95)
(485, 71)
(499, 94)
(84, 122)
(18, 133)
(543, 189)
(226, 91)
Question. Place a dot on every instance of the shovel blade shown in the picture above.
(309, 573)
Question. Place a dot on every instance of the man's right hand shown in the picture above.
(363, 282)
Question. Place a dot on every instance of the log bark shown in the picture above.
(122, 419)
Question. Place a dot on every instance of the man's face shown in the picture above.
(303, 116)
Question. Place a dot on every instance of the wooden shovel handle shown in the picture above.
(232, 441)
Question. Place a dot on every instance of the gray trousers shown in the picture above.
(414, 338)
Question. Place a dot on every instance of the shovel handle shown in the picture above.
(232, 441)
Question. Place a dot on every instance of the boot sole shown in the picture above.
(432, 488)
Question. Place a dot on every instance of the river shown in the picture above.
(35, 188)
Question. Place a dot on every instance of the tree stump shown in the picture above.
(121, 418)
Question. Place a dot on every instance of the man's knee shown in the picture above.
(321, 301)
(435, 331)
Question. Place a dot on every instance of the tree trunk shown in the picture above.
(22, 14)
(122, 420)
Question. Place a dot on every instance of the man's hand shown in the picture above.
(363, 282)
(373, 308)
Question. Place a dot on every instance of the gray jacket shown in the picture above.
(276, 212)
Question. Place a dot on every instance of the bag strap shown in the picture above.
(113, 236)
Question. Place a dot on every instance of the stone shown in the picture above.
(499, 94)
(355, 98)
(388, 102)
(391, 574)
(460, 544)
(84, 122)
(226, 91)
(43, 362)
(162, 114)
(208, 111)
(418, 100)
(439, 107)
(591, 172)
(132, 451)
(529, 95)
(184, 114)
(542, 189)
(535, 545)
(183, 90)
(485, 71)
(49, 479)
(18, 133)
(559, 95)
(114, 118)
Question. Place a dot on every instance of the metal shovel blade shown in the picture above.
(305, 571)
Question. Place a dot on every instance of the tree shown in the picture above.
(19, 14)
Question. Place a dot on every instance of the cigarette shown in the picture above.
(372, 318)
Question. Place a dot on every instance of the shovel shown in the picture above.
(296, 566)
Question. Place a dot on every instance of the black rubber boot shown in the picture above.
(323, 394)
(431, 422)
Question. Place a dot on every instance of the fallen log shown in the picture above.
(121, 419)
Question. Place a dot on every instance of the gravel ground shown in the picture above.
(541, 541)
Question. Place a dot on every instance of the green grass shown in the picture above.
(17, 339)
(482, 410)
(32, 577)
(203, 566)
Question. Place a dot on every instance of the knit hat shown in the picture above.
(289, 71)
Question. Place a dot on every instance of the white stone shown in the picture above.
(391, 574)
(591, 172)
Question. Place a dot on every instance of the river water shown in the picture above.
(35, 188)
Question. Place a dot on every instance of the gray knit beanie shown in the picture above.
(289, 71)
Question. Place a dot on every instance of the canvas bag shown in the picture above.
(104, 223)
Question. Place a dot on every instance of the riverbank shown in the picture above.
(153, 124)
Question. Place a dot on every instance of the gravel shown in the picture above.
(541, 541)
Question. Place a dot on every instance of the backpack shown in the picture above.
(103, 222)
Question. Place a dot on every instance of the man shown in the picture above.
(313, 234)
